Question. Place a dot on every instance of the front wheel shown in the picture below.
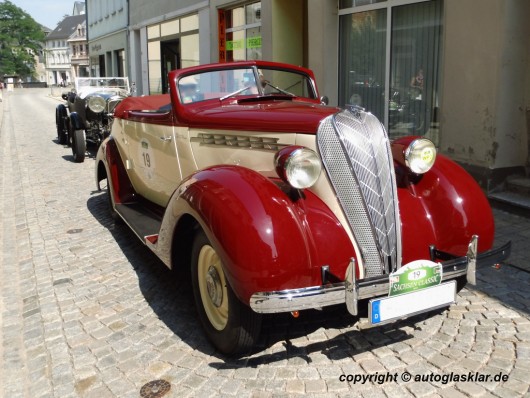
(60, 122)
(78, 145)
(231, 326)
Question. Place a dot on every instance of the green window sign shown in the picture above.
(235, 45)
(251, 42)
(254, 42)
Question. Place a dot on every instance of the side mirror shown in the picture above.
(324, 100)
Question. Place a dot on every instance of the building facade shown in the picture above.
(78, 47)
(58, 51)
(419, 65)
(164, 36)
(107, 22)
(424, 69)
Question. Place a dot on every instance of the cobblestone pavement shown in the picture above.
(87, 310)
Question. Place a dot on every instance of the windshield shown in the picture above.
(226, 83)
(94, 82)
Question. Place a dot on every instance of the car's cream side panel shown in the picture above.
(152, 161)
(255, 158)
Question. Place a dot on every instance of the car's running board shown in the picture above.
(142, 221)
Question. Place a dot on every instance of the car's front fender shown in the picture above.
(267, 239)
(76, 122)
(109, 165)
(444, 207)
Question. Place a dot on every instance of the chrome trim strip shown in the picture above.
(352, 288)
(332, 294)
(472, 260)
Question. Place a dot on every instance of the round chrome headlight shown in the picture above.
(420, 155)
(96, 104)
(298, 166)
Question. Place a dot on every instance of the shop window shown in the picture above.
(154, 64)
(120, 62)
(398, 81)
(153, 32)
(357, 3)
(240, 33)
(170, 28)
(190, 50)
(189, 23)
(171, 45)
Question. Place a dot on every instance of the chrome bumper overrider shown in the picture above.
(351, 290)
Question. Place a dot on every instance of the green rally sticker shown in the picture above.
(415, 276)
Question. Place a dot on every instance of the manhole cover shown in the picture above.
(155, 389)
(74, 231)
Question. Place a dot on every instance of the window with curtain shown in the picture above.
(362, 60)
(396, 80)
(415, 69)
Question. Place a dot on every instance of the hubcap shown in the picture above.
(212, 287)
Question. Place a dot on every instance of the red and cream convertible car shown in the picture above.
(278, 203)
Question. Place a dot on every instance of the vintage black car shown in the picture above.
(86, 116)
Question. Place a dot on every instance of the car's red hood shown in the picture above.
(277, 116)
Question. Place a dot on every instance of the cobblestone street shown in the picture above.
(87, 311)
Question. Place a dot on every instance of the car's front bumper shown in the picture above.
(351, 290)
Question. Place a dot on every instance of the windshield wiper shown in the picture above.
(234, 93)
(267, 83)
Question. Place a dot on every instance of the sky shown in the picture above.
(46, 12)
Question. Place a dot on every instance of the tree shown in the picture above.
(21, 39)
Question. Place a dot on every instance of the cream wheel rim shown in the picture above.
(212, 287)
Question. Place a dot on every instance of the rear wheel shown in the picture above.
(78, 145)
(231, 326)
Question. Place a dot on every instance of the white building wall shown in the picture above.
(107, 22)
(105, 17)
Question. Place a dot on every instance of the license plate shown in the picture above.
(390, 308)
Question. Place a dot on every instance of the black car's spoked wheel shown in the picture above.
(78, 145)
(231, 326)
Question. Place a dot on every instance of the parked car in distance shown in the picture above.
(86, 116)
(275, 202)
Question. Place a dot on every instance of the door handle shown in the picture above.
(166, 139)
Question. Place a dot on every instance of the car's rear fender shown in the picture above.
(268, 238)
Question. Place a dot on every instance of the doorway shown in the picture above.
(170, 57)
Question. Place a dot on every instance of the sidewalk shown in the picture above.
(4, 100)
(509, 225)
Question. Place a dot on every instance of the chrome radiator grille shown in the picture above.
(356, 154)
